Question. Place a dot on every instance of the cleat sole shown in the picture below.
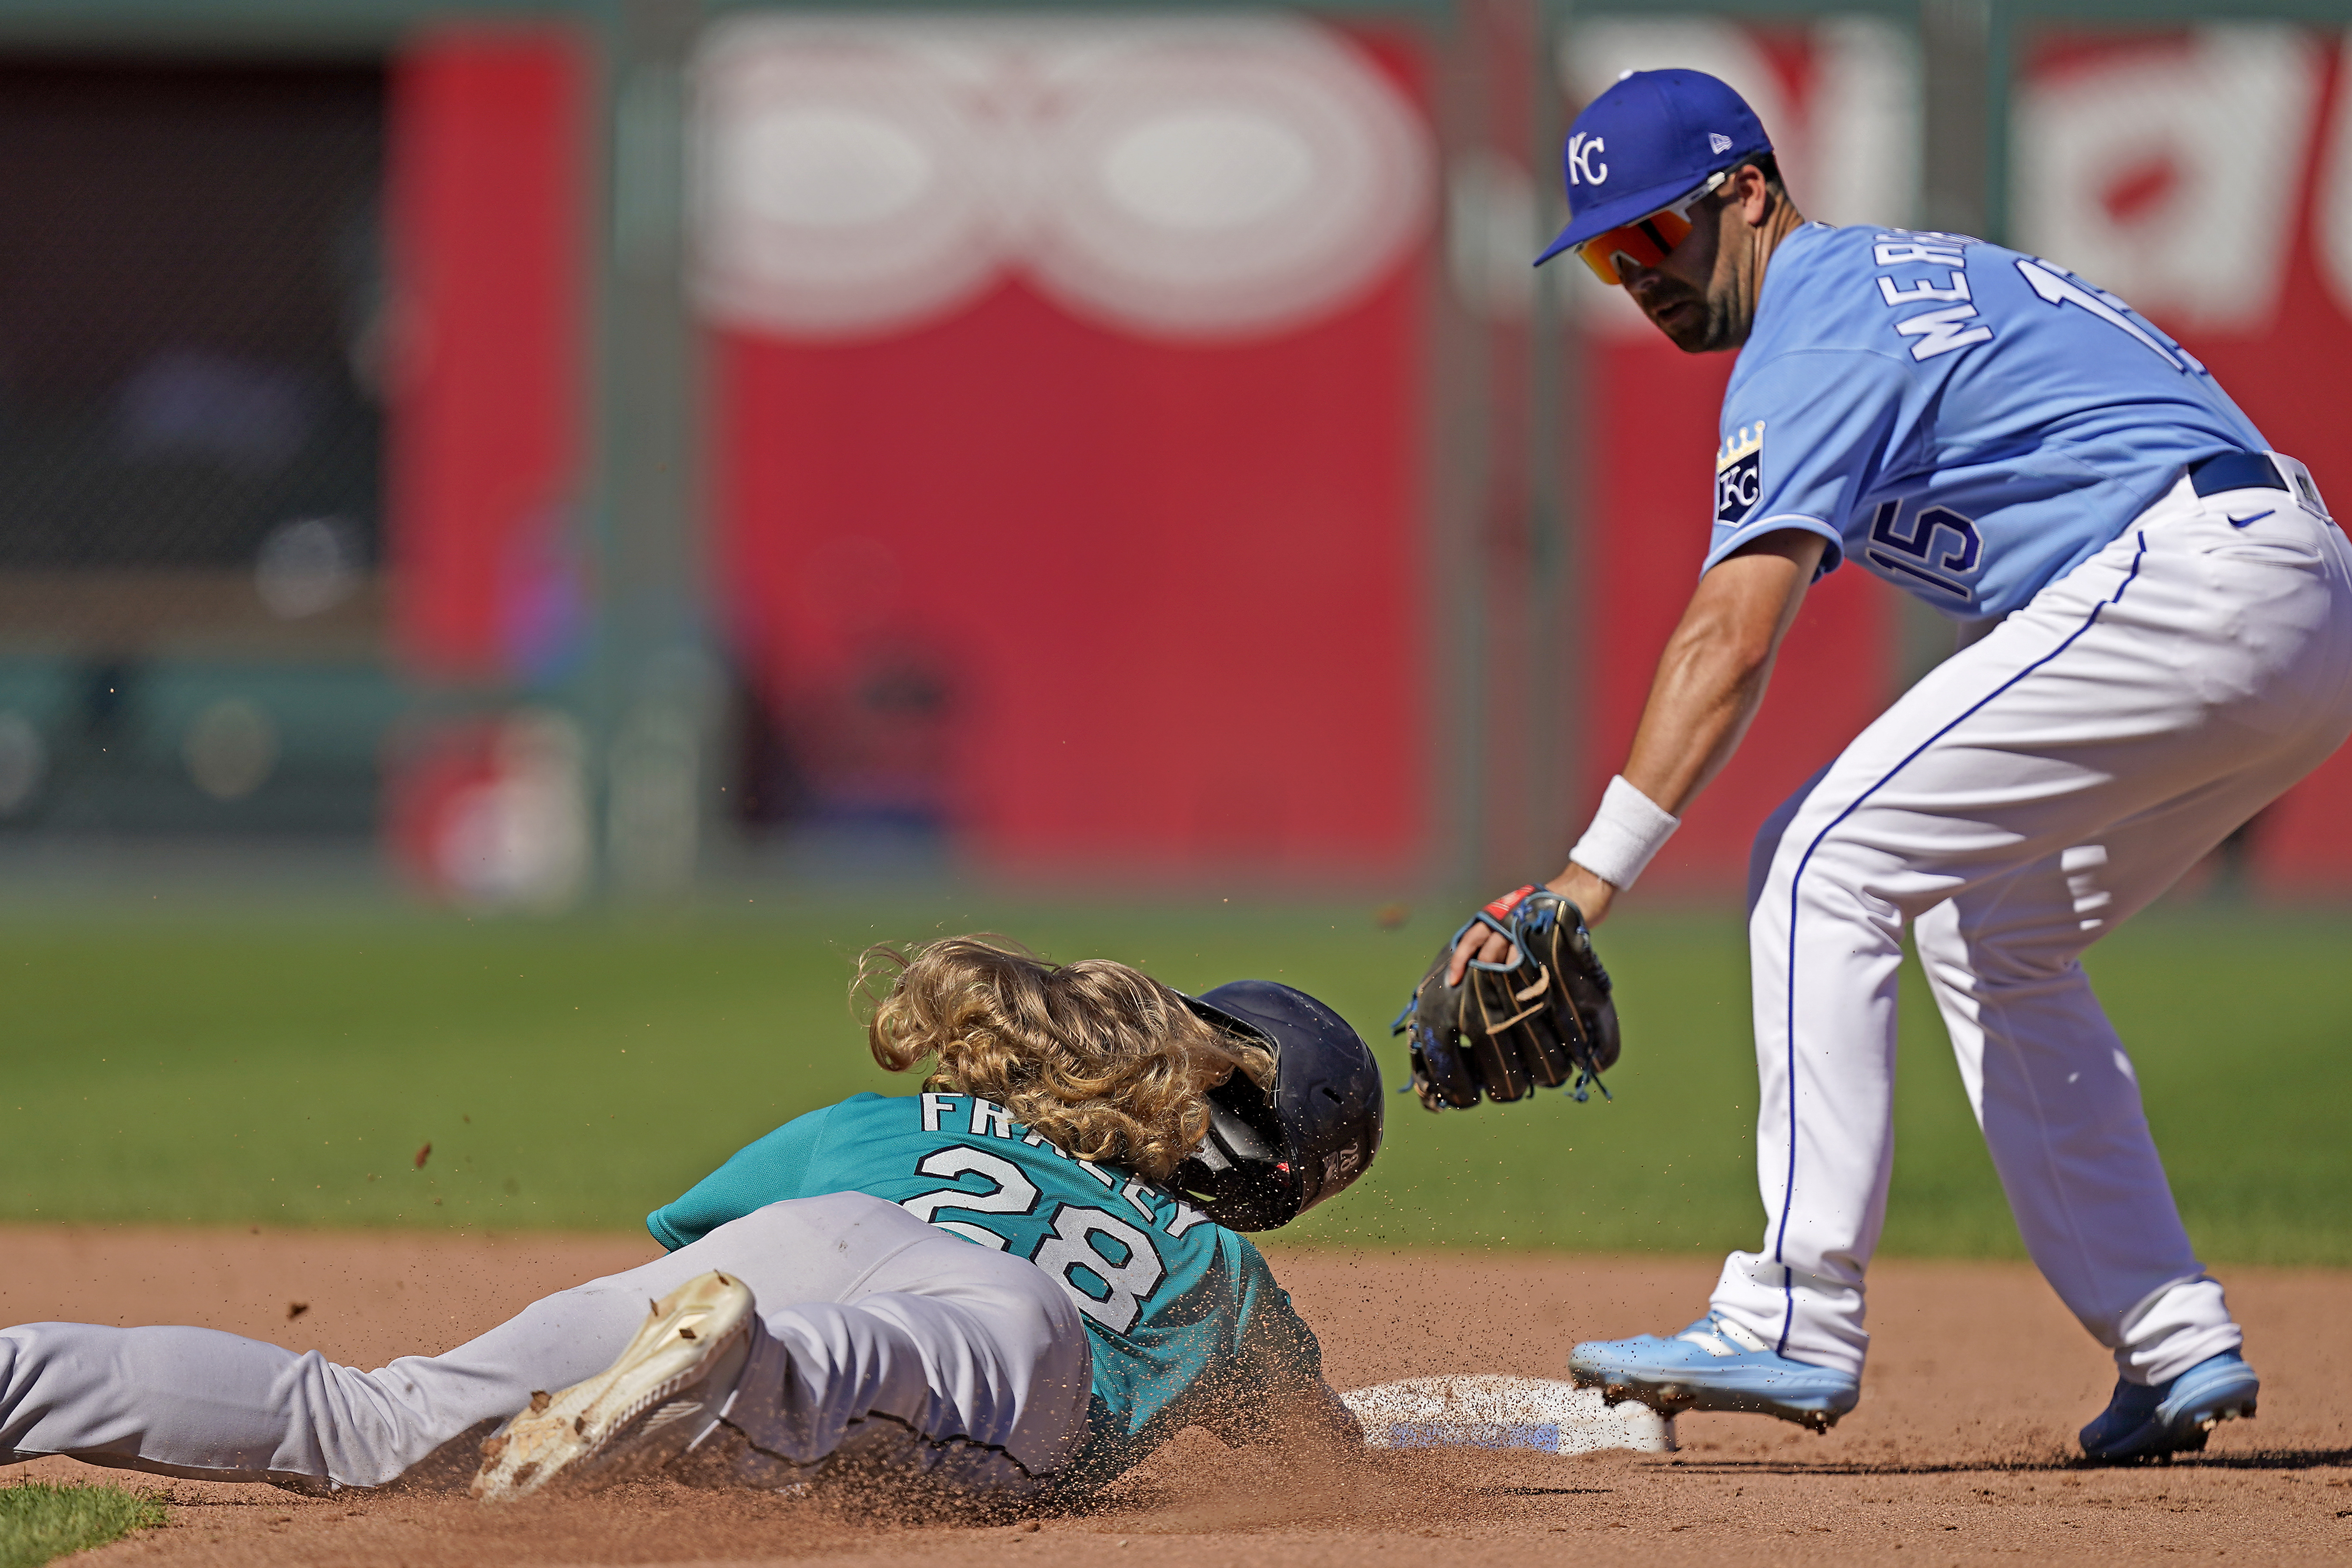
(632, 1417)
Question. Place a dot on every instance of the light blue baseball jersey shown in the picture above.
(1185, 1321)
(1968, 422)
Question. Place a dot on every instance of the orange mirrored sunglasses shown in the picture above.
(1645, 241)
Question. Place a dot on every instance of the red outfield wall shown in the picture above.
(486, 198)
(1066, 509)
(2146, 159)
(1102, 554)
(2206, 175)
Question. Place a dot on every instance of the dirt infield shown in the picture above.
(1959, 1453)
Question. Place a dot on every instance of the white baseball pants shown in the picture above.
(2038, 788)
(881, 1339)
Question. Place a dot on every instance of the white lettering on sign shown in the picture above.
(2150, 167)
(1223, 176)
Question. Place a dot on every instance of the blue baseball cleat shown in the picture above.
(2150, 1421)
(1714, 1365)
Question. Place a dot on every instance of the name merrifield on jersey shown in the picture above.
(1969, 422)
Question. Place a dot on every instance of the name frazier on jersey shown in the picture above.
(1073, 1252)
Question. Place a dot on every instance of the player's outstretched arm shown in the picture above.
(1710, 680)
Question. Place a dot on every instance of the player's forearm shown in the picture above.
(1704, 695)
(1711, 679)
(1709, 684)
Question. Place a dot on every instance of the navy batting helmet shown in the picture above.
(1271, 1156)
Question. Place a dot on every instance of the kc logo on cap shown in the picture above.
(1664, 134)
(1581, 149)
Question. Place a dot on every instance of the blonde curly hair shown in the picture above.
(1103, 1060)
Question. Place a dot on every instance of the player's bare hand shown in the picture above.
(1485, 945)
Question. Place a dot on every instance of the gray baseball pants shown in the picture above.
(880, 1342)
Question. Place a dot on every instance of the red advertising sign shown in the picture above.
(1070, 422)
(486, 191)
(2205, 174)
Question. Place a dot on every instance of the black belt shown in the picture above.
(2235, 471)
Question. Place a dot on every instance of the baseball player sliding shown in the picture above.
(987, 1291)
(2155, 614)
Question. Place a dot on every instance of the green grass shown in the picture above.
(249, 1069)
(39, 1522)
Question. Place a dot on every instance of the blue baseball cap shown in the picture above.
(1651, 140)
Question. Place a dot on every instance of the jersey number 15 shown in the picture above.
(1940, 549)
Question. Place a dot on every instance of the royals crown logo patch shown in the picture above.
(1738, 475)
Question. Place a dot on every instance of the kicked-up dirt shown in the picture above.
(1960, 1453)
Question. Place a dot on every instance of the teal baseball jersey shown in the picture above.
(1185, 1321)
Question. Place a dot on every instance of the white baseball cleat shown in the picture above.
(1714, 1365)
(638, 1413)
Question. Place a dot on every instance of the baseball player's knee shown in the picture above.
(948, 1374)
(24, 1351)
(1005, 1311)
(1980, 947)
(44, 1365)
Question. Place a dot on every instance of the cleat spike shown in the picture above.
(1714, 1365)
(540, 1400)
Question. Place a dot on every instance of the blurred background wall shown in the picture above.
(609, 446)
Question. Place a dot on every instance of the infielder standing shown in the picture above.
(2156, 618)
(989, 1291)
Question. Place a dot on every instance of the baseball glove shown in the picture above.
(1542, 1017)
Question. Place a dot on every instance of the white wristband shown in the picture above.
(1628, 829)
